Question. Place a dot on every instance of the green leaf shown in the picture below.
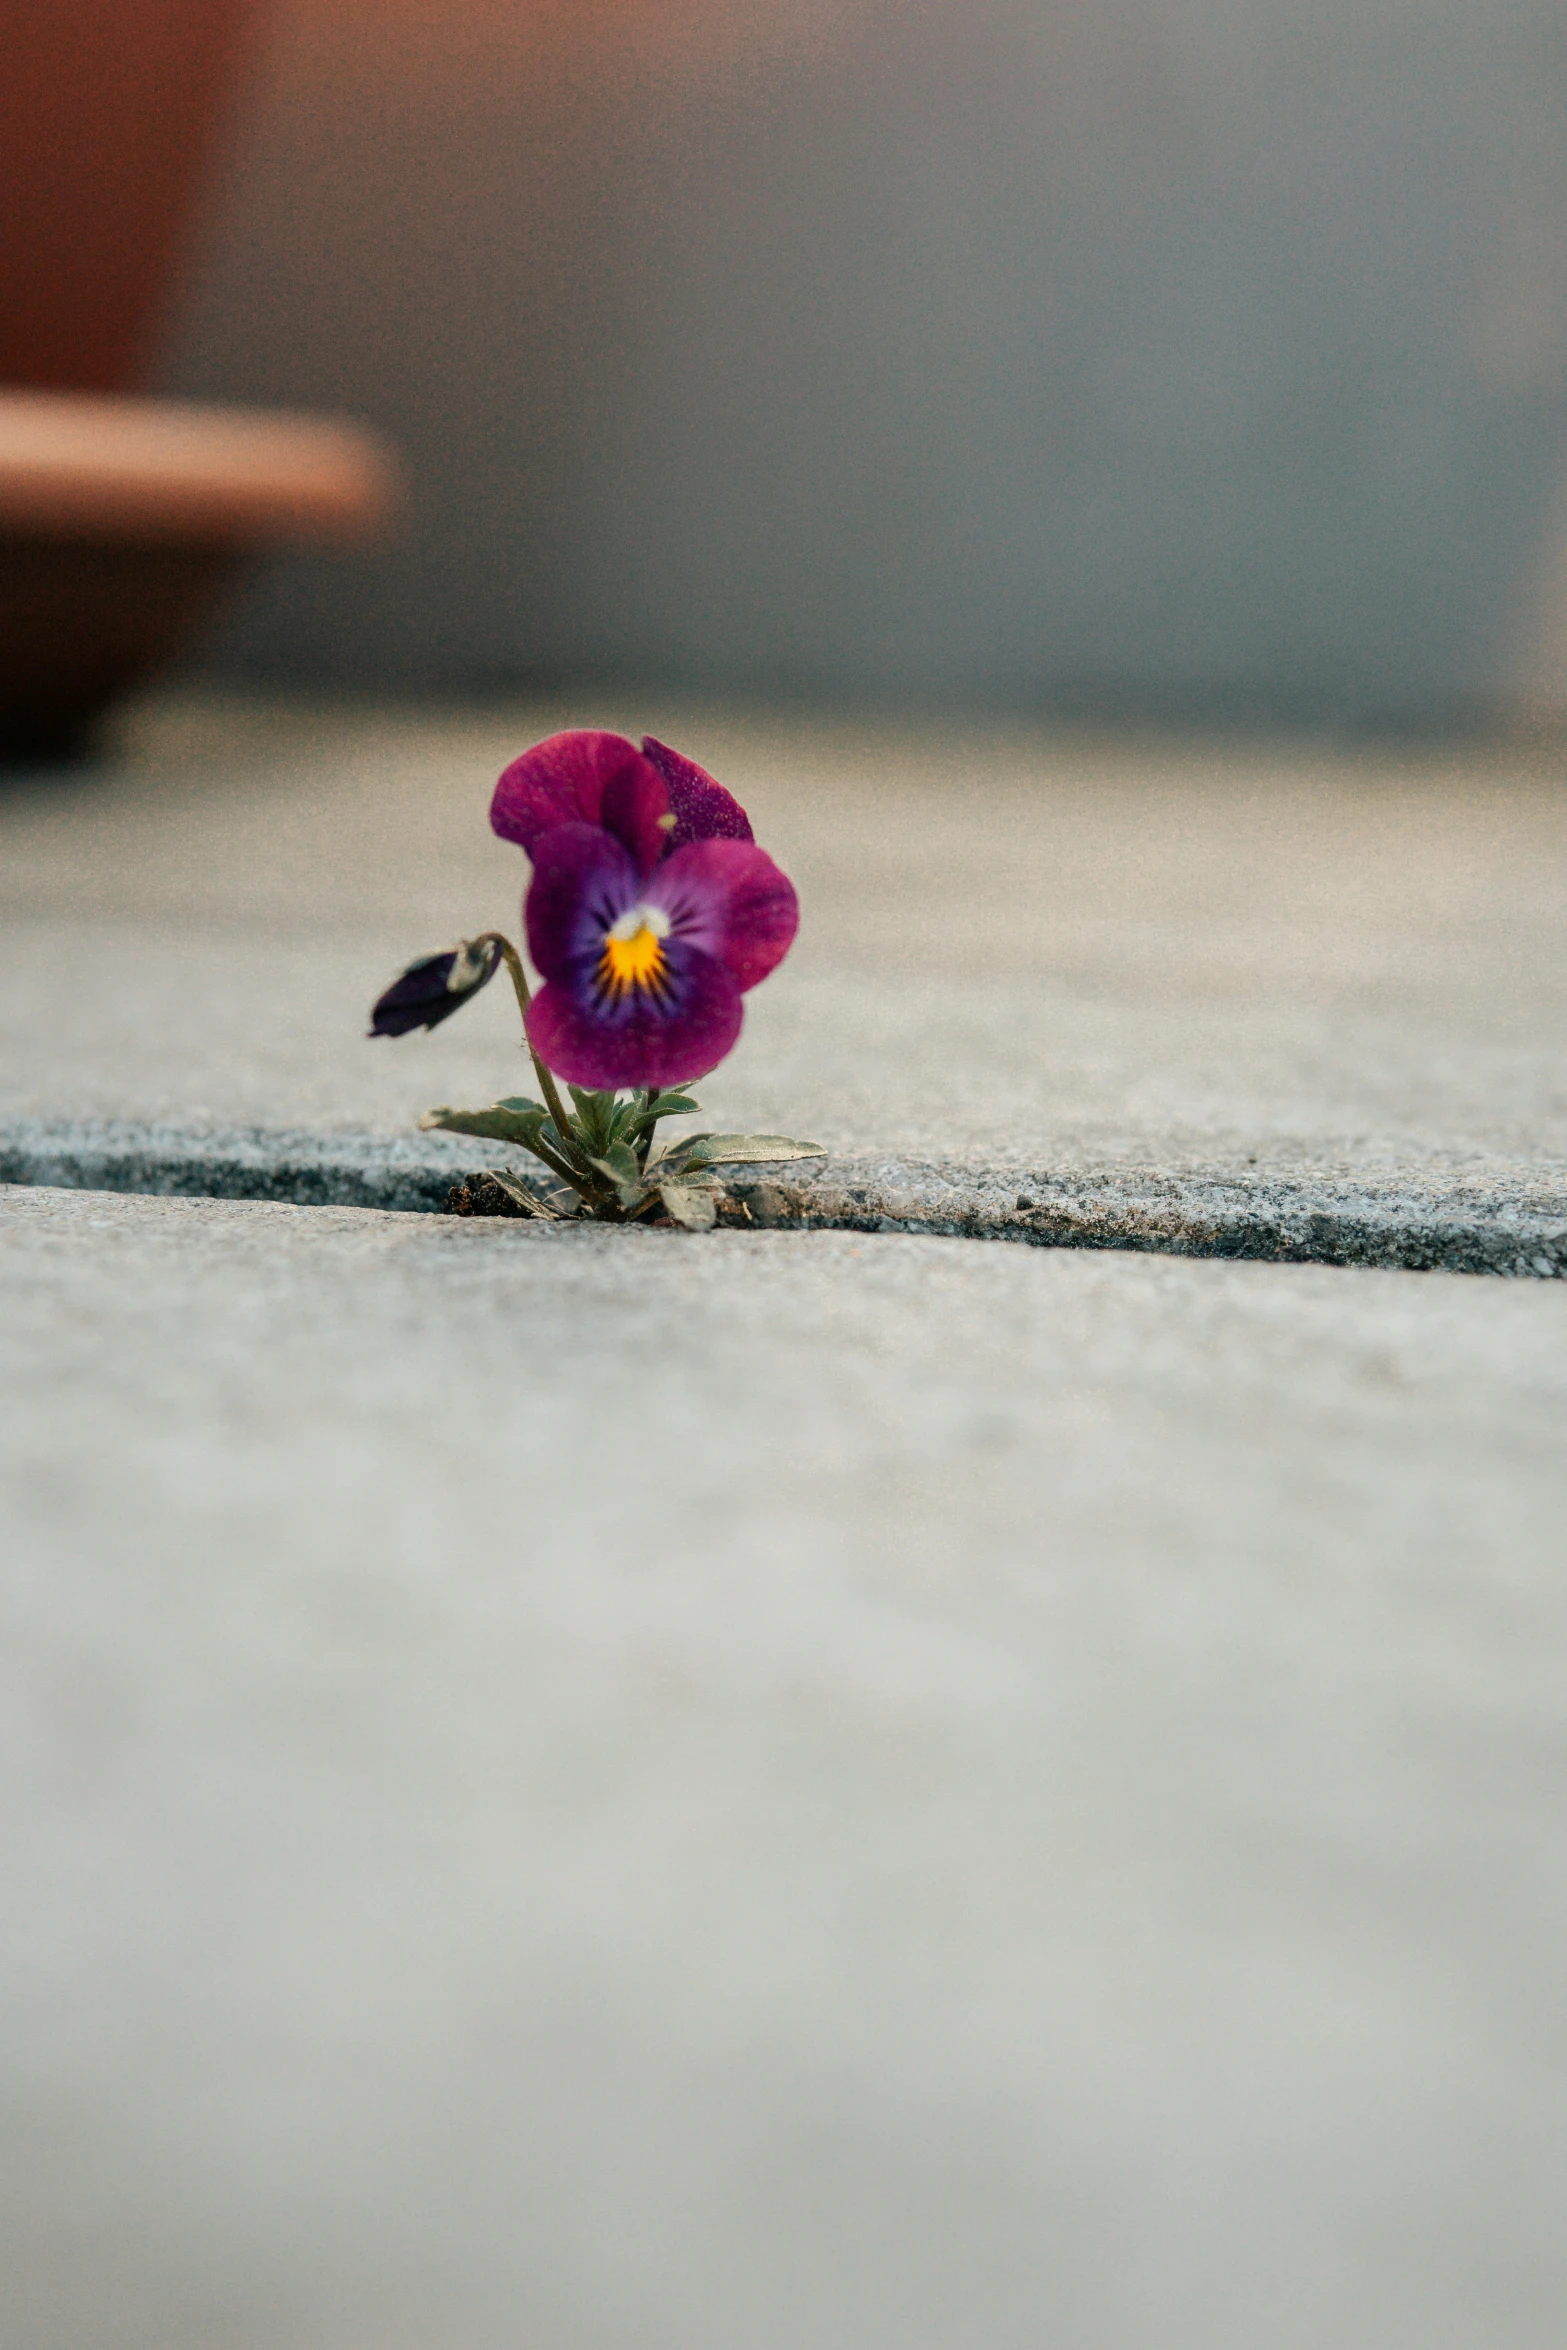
(501, 1122)
(566, 1148)
(692, 1205)
(529, 1201)
(733, 1150)
(620, 1166)
(639, 1117)
(595, 1116)
(519, 1102)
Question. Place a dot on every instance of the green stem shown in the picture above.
(588, 1185)
(643, 1142)
(567, 1174)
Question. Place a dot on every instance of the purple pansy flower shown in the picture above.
(650, 912)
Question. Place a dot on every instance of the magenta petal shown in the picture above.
(703, 810)
(728, 897)
(635, 808)
(583, 881)
(639, 1042)
(560, 781)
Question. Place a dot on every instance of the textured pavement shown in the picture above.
(1014, 949)
(629, 1792)
(594, 1789)
(1493, 1219)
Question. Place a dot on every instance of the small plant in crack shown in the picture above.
(650, 913)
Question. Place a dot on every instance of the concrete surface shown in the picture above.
(656, 1794)
(630, 1792)
(1501, 1220)
(1017, 951)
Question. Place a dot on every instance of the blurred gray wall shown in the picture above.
(1170, 355)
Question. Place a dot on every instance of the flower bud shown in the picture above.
(431, 990)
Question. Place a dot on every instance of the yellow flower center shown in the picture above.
(634, 951)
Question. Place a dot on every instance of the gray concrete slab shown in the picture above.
(1016, 949)
(1278, 1000)
(779, 1789)
(628, 1792)
(1497, 1219)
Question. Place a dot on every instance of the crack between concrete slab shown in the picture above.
(1512, 1225)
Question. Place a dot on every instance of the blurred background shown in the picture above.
(1185, 358)
(1178, 358)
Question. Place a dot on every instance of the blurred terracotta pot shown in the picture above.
(110, 110)
(121, 520)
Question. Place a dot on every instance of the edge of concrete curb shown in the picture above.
(1510, 1224)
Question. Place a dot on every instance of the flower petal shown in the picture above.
(728, 898)
(583, 881)
(703, 810)
(635, 808)
(637, 1039)
(584, 777)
